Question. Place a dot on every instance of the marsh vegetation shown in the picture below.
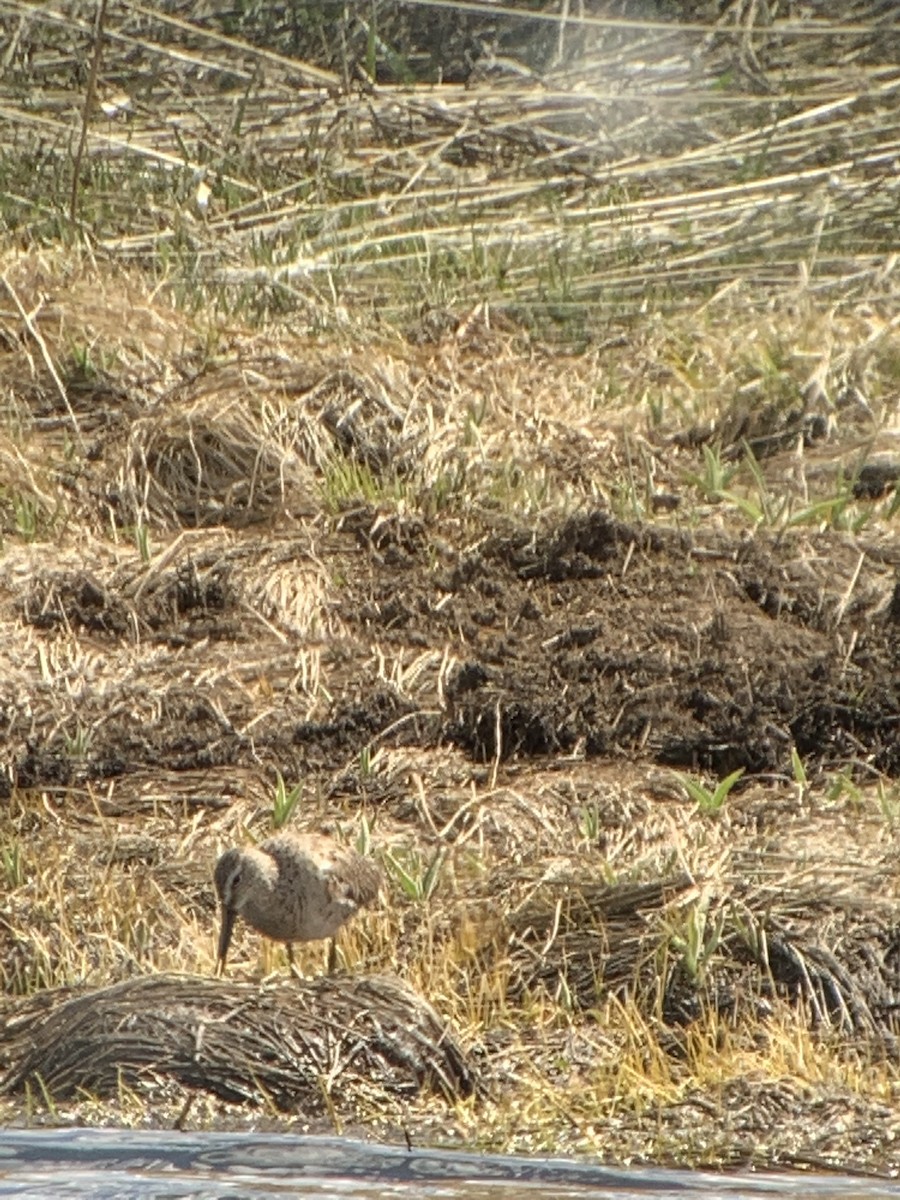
(473, 435)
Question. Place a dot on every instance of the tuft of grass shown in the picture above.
(709, 800)
(142, 542)
(364, 837)
(589, 822)
(714, 480)
(888, 795)
(842, 786)
(78, 744)
(12, 864)
(27, 516)
(799, 772)
(284, 801)
(696, 940)
(418, 878)
(346, 480)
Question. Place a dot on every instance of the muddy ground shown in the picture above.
(587, 637)
(581, 635)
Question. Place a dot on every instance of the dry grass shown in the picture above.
(578, 1055)
(666, 161)
(268, 426)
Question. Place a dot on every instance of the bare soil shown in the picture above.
(587, 636)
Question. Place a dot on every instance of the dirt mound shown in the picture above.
(593, 637)
(696, 651)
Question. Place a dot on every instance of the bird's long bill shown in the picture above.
(228, 915)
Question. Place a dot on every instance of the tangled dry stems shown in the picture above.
(290, 1044)
(666, 159)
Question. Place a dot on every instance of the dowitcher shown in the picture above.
(293, 888)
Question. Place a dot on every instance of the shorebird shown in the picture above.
(293, 888)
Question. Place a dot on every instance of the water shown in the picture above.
(111, 1164)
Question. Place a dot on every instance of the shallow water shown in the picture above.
(109, 1164)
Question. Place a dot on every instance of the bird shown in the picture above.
(293, 888)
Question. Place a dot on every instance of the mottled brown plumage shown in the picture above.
(293, 888)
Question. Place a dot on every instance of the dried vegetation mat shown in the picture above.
(287, 1044)
(506, 485)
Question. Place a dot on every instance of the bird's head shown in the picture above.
(229, 876)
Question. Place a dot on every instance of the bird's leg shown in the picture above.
(295, 970)
(332, 956)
